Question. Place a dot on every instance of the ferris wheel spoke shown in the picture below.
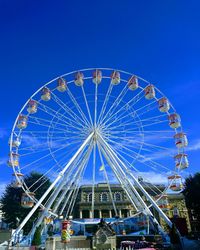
(146, 194)
(148, 183)
(55, 167)
(144, 143)
(146, 107)
(135, 153)
(37, 149)
(42, 121)
(134, 168)
(129, 122)
(133, 195)
(154, 123)
(45, 175)
(86, 103)
(154, 165)
(115, 103)
(134, 100)
(95, 109)
(148, 110)
(46, 125)
(133, 114)
(69, 111)
(43, 157)
(121, 179)
(61, 117)
(103, 108)
(78, 107)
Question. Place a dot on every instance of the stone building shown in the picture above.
(103, 205)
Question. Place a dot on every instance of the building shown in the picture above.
(103, 205)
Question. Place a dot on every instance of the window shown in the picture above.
(89, 197)
(103, 197)
(117, 196)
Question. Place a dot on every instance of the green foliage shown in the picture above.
(37, 237)
(191, 192)
(11, 201)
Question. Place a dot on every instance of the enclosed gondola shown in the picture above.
(181, 140)
(97, 76)
(163, 104)
(15, 142)
(22, 121)
(175, 182)
(32, 107)
(18, 182)
(133, 83)
(27, 200)
(150, 92)
(61, 84)
(13, 160)
(79, 79)
(174, 120)
(46, 94)
(181, 161)
(115, 77)
(162, 201)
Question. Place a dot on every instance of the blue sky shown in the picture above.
(157, 40)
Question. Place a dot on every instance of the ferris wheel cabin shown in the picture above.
(133, 83)
(97, 76)
(150, 92)
(115, 78)
(45, 94)
(61, 84)
(79, 79)
(181, 161)
(27, 200)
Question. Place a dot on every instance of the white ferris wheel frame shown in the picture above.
(104, 148)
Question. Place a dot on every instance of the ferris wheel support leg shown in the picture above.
(60, 175)
(162, 214)
(59, 188)
(127, 190)
(133, 192)
(82, 164)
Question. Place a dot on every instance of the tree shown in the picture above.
(11, 200)
(192, 194)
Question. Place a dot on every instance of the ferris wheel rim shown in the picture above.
(70, 73)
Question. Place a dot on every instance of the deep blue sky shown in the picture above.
(158, 40)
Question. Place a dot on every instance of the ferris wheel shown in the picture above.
(96, 125)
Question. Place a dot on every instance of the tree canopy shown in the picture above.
(192, 197)
(11, 200)
(192, 192)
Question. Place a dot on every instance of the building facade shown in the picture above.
(122, 207)
(103, 203)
